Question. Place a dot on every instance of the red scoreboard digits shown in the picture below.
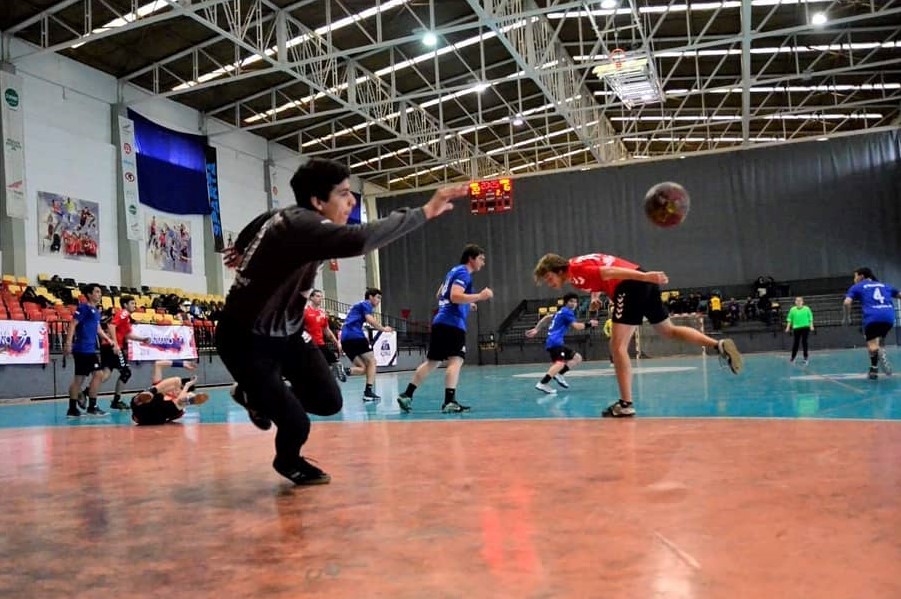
(491, 196)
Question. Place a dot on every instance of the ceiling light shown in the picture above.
(609, 4)
(822, 139)
(818, 18)
(518, 121)
(430, 39)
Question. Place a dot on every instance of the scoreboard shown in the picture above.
(491, 196)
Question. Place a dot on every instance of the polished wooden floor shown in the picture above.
(554, 506)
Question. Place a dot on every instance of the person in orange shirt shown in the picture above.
(635, 295)
(315, 322)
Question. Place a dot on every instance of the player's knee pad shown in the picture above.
(125, 374)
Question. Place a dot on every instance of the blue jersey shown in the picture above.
(875, 299)
(559, 324)
(353, 324)
(449, 313)
(88, 319)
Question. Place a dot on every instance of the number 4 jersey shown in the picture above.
(875, 299)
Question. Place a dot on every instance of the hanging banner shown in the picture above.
(384, 346)
(12, 118)
(212, 188)
(275, 189)
(129, 176)
(166, 343)
(23, 342)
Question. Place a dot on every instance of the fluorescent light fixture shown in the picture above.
(518, 121)
(430, 39)
(142, 11)
(763, 50)
(818, 19)
(606, 11)
(822, 139)
(609, 4)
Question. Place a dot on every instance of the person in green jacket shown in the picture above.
(799, 321)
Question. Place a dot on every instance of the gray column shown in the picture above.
(12, 230)
(129, 250)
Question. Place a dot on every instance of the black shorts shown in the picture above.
(561, 353)
(330, 356)
(446, 342)
(85, 364)
(875, 330)
(633, 301)
(110, 360)
(355, 347)
(157, 411)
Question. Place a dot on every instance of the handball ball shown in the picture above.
(666, 204)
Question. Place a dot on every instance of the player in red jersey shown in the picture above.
(115, 357)
(635, 295)
(315, 322)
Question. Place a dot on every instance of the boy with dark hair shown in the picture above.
(114, 356)
(878, 315)
(635, 295)
(448, 337)
(562, 358)
(81, 343)
(260, 334)
(355, 342)
(316, 323)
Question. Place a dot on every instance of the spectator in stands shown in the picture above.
(260, 334)
(448, 338)
(800, 323)
(166, 399)
(81, 344)
(184, 313)
(733, 312)
(878, 315)
(30, 295)
(635, 295)
(715, 311)
(355, 342)
(562, 357)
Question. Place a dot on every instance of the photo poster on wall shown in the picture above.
(168, 244)
(68, 227)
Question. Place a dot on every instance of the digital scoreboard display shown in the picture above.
(489, 197)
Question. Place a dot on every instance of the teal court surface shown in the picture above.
(833, 386)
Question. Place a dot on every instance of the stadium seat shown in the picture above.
(542, 311)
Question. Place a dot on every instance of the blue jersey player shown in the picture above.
(448, 337)
(355, 343)
(878, 315)
(562, 357)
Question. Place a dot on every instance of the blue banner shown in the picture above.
(171, 168)
(212, 185)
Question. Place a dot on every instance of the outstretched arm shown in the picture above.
(534, 330)
(627, 274)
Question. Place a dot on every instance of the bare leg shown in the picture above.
(452, 372)
(619, 349)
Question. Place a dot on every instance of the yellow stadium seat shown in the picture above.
(23, 281)
(560, 302)
(44, 277)
(552, 310)
(542, 311)
(9, 279)
(13, 288)
(106, 302)
(41, 290)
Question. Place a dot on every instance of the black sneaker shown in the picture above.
(82, 400)
(302, 472)
(405, 403)
(118, 404)
(339, 373)
(371, 397)
(874, 373)
(884, 363)
(453, 407)
(96, 411)
(260, 420)
(73, 412)
(619, 409)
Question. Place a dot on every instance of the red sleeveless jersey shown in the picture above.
(584, 272)
(314, 320)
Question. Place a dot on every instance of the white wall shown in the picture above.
(69, 150)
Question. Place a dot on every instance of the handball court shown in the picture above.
(783, 482)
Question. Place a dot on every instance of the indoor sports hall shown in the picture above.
(662, 366)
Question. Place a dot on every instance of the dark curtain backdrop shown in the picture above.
(172, 173)
(797, 211)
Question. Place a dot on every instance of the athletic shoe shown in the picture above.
(82, 400)
(367, 397)
(546, 388)
(804, 363)
(884, 363)
(118, 404)
(453, 407)
(405, 403)
(730, 354)
(873, 374)
(96, 411)
(301, 472)
(260, 420)
(73, 412)
(339, 373)
(196, 399)
(561, 381)
(619, 409)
